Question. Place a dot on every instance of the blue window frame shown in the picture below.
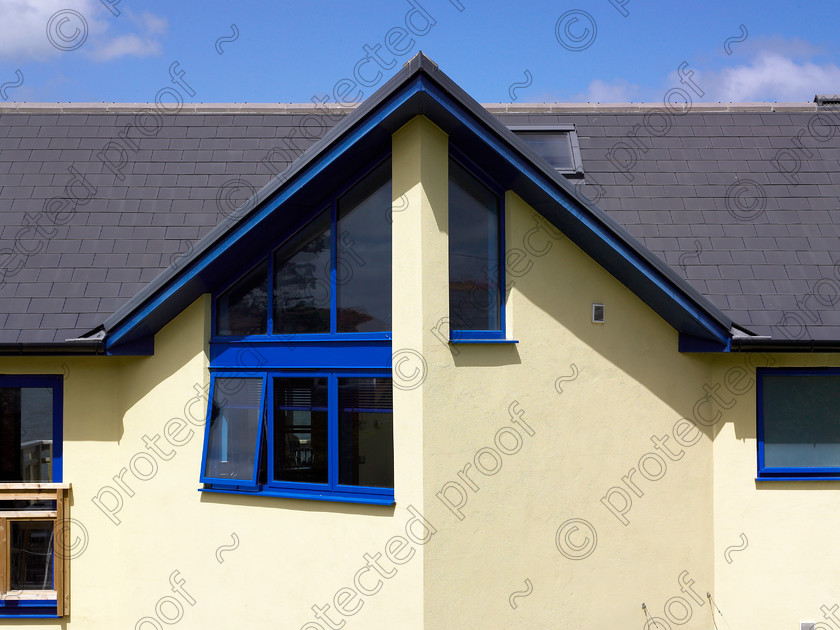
(330, 279)
(31, 446)
(798, 430)
(476, 252)
(31, 428)
(300, 395)
(311, 434)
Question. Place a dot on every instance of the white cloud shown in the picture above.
(125, 45)
(150, 23)
(618, 91)
(23, 29)
(43, 29)
(762, 69)
(770, 76)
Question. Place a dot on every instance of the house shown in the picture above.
(419, 364)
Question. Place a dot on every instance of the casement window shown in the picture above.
(476, 274)
(300, 397)
(321, 434)
(798, 430)
(34, 504)
(556, 144)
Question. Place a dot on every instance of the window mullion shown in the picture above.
(4, 556)
(269, 430)
(332, 428)
(270, 295)
(333, 266)
(262, 433)
(58, 552)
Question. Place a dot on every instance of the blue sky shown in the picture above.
(529, 51)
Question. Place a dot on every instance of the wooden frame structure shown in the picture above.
(60, 519)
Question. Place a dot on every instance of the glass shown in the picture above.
(366, 432)
(234, 429)
(26, 434)
(302, 281)
(474, 275)
(554, 147)
(801, 425)
(300, 430)
(363, 261)
(31, 561)
(243, 308)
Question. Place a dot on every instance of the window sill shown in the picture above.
(28, 609)
(467, 340)
(796, 477)
(335, 497)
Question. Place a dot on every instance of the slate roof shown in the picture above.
(704, 196)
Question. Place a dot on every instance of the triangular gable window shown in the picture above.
(332, 276)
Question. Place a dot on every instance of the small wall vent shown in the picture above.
(806, 625)
(598, 313)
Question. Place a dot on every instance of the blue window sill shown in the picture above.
(28, 609)
(335, 497)
(468, 340)
(773, 473)
(797, 477)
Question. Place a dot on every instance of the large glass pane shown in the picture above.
(234, 429)
(553, 146)
(801, 423)
(243, 308)
(26, 434)
(31, 560)
(474, 276)
(363, 264)
(300, 429)
(366, 432)
(302, 281)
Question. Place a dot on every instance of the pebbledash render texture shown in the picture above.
(96, 200)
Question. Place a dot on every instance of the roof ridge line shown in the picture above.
(291, 108)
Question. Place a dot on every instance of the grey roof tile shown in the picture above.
(672, 198)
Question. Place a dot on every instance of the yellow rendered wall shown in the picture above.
(777, 559)
(522, 441)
